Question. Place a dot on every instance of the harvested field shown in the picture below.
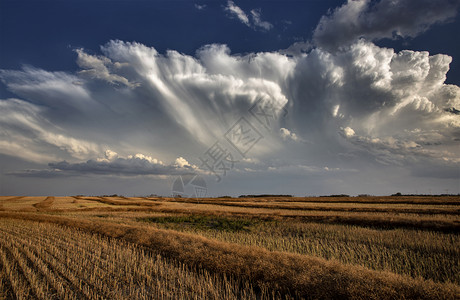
(225, 248)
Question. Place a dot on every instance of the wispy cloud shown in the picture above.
(256, 19)
(237, 12)
(257, 23)
(200, 7)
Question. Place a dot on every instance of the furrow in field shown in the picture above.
(10, 286)
(59, 284)
(139, 273)
(6, 290)
(61, 254)
(74, 270)
(64, 243)
(56, 260)
(49, 284)
(22, 287)
(39, 275)
(103, 278)
(125, 202)
(13, 198)
(45, 204)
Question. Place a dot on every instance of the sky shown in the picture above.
(219, 98)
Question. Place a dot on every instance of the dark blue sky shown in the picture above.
(40, 32)
(43, 33)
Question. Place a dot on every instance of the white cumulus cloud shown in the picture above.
(182, 104)
(348, 132)
(286, 135)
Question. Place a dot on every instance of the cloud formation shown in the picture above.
(376, 20)
(28, 134)
(364, 103)
(99, 67)
(112, 164)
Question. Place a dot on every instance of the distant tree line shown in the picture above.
(423, 195)
(263, 196)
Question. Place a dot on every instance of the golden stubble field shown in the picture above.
(229, 248)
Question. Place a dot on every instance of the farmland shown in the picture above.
(229, 248)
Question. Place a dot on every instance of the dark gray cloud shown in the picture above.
(112, 165)
(376, 20)
(41, 173)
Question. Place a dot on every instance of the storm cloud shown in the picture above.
(393, 103)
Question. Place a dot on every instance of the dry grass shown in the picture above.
(425, 254)
(305, 275)
(46, 261)
(314, 248)
(43, 205)
(440, 219)
(424, 200)
(120, 201)
(350, 207)
(21, 203)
